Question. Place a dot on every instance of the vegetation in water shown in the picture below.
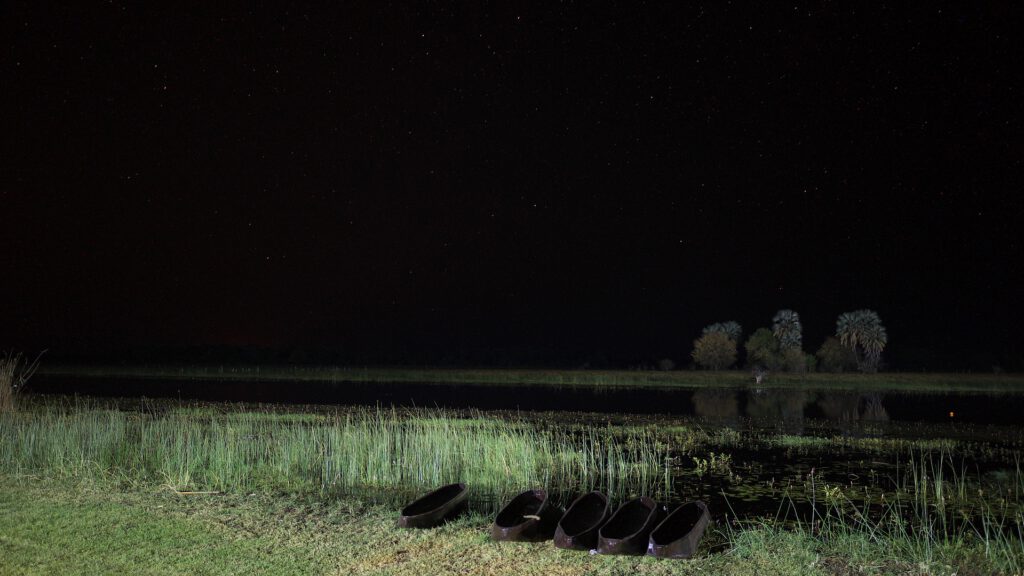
(717, 463)
(932, 502)
(378, 454)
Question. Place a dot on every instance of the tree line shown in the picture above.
(857, 344)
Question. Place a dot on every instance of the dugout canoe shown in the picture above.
(628, 530)
(435, 507)
(529, 517)
(578, 528)
(679, 534)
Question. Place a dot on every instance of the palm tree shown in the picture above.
(730, 329)
(862, 332)
(787, 329)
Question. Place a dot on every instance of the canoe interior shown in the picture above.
(679, 525)
(525, 504)
(433, 500)
(585, 514)
(628, 520)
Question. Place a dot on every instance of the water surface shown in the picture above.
(786, 407)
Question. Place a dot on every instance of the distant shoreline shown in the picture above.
(890, 381)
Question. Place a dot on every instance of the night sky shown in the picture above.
(480, 185)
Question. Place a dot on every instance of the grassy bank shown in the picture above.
(172, 488)
(920, 382)
(50, 527)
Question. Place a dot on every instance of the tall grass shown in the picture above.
(931, 510)
(937, 515)
(7, 389)
(14, 373)
(375, 454)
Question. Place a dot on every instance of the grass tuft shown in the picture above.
(14, 373)
(382, 455)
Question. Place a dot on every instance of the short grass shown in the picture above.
(53, 527)
(910, 382)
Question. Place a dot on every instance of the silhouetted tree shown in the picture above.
(731, 329)
(794, 360)
(763, 350)
(834, 357)
(862, 332)
(787, 329)
(714, 350)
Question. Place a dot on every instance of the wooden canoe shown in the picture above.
(627, 531)
(435, 507)
(578, 528)
(679, 534)
(528, 517)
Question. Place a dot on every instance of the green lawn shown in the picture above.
(51, 527)
(893, 381)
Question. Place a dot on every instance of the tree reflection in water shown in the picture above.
(720, 406)
(873, 409)
(783, 409)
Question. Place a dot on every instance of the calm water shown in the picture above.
(786, 408)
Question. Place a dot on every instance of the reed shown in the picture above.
(373, 454)
(7, 389)
(14, 373)
(936, 508)
(931, 515)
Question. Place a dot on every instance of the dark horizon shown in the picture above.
(480, 186)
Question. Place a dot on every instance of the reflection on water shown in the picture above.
(784, 409)
(848, 407)
(718, 405)
(840, 406)
(873, 409)
(788, 408)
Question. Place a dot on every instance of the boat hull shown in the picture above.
(628, 530)
(578, 529)
(529, 517)
(435, 507)
(680, 533)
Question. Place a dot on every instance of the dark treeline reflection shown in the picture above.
(788, 408)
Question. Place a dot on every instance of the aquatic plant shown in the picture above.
(719, 463)
(918, 498)
(377, 454)
(931, 515)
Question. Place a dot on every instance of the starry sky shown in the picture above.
(488, 184)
